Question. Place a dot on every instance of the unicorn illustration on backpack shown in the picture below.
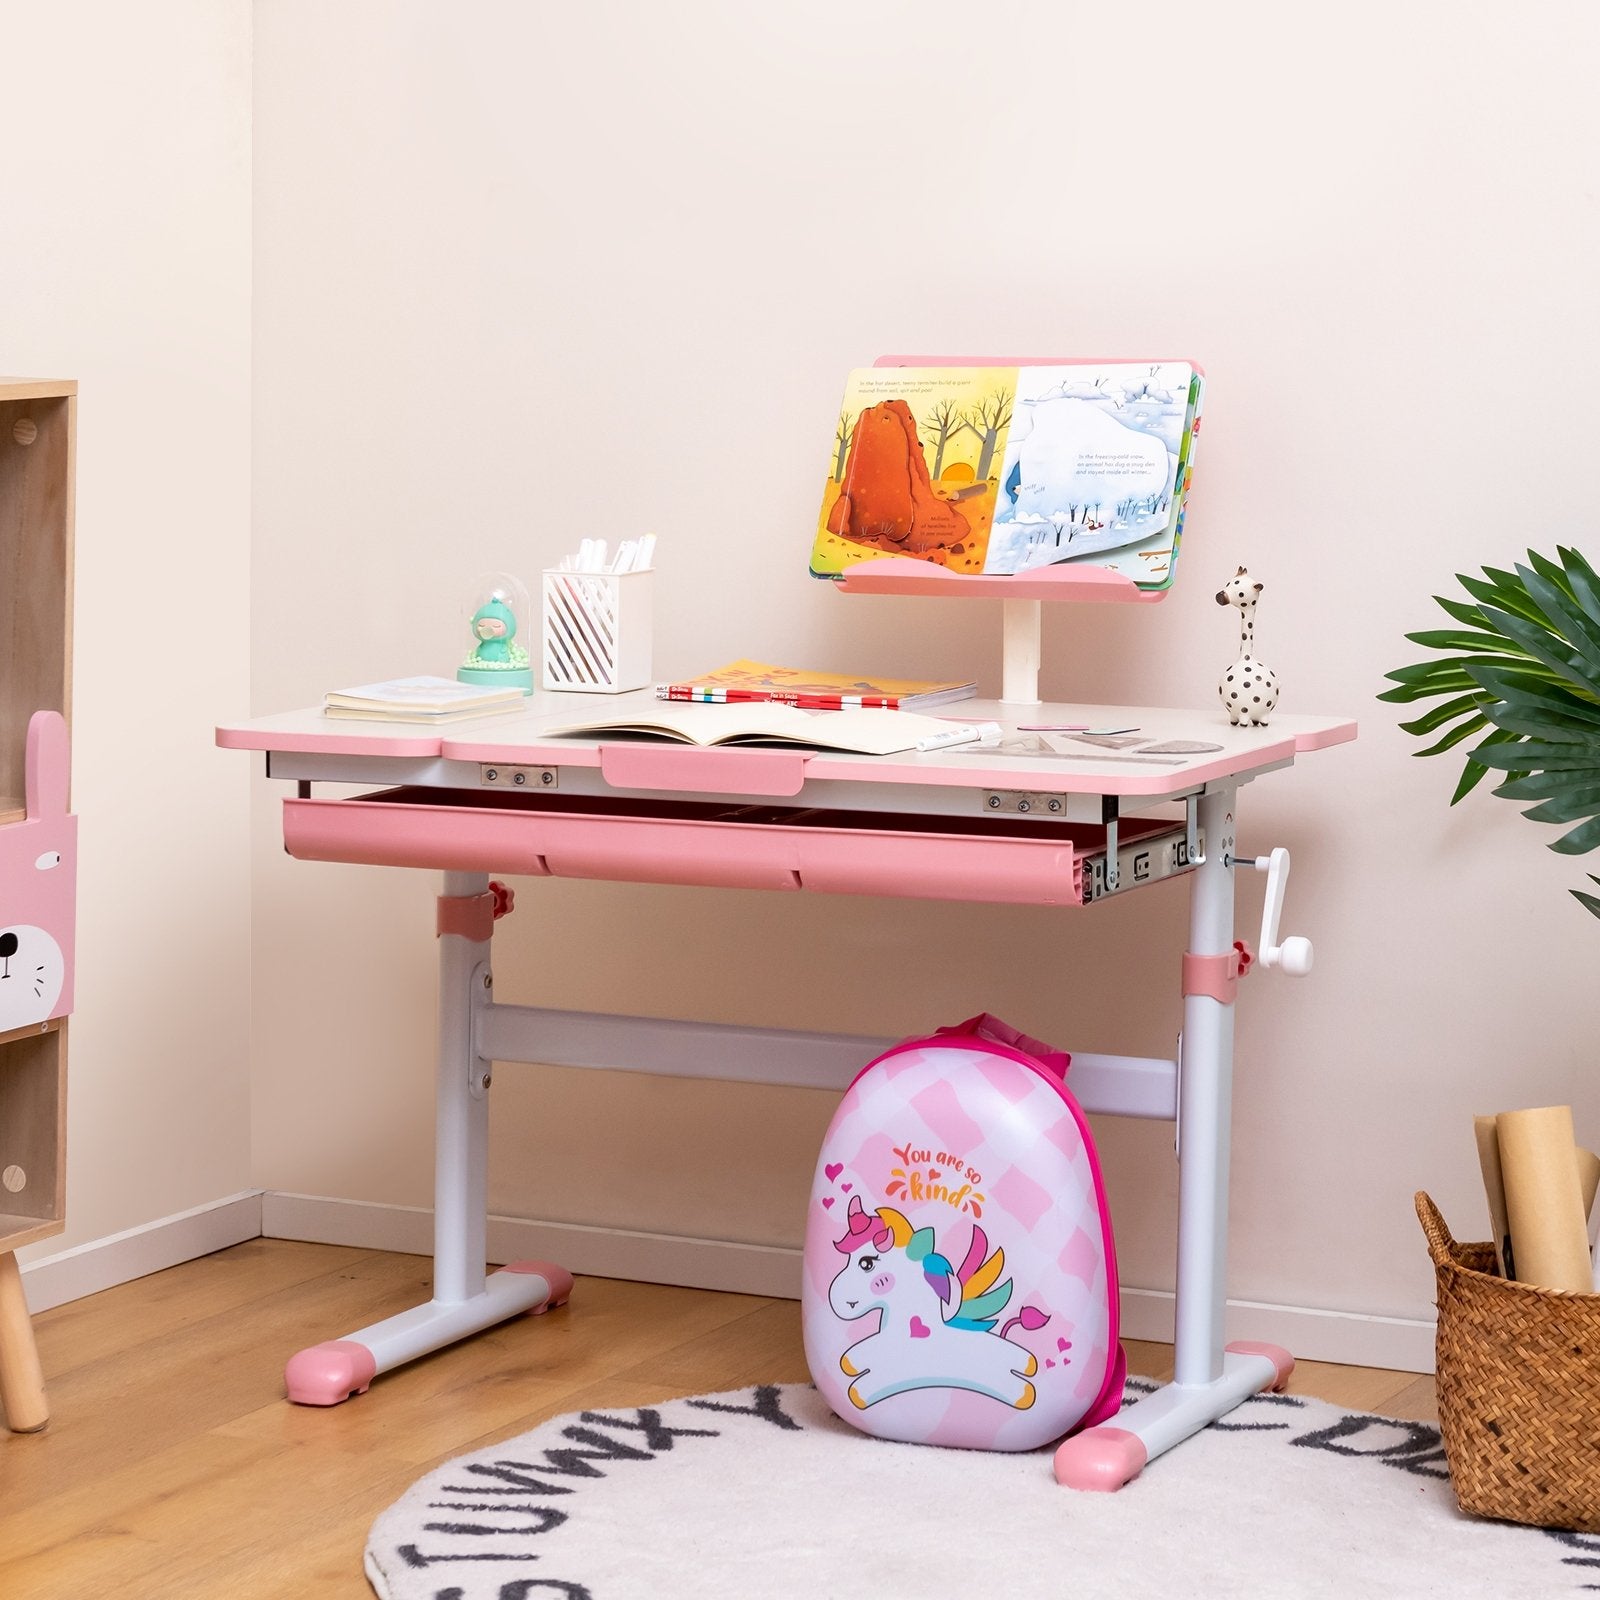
(937, 1329)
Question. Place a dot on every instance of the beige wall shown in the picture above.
(125, 263)
(525, 273)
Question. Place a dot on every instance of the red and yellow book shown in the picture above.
(814, 691)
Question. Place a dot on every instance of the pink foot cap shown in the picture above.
(1101, 1458)
(1280, 1358)
(326, 1374)
(559, 1279)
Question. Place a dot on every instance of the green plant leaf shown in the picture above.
(1455, 736)
(1589, 900)
(1531, 692)
(1544, 646)
(1543, 725)
(1506, 596)
(1566, 619)
(1540, 786)
(1474, 772)
(1567, 808)
(1582, 838)
(1458, 639)
(1461, 611)
(1532, 756)
(1583, 582)
(1463, 705)
(1408, 692)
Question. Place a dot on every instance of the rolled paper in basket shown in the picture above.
(1544, 1201)
(1494, 1189)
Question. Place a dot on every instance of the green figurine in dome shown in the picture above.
(497, 660)
(494, 625)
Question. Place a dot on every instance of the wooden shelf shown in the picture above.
(12, 809)
(33, 1103)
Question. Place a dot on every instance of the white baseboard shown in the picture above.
(121, 1257)
(592, 1252)
(1350, 1338)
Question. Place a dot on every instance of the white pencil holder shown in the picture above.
(597, 631)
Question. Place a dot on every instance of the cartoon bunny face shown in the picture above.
(38, 887)
(32, 971)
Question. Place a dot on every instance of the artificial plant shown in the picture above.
(1523, 661)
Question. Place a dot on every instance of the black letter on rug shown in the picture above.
(657, 1436)
(766, 1408)
(1417, 1452)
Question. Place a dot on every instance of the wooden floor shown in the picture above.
(174, 1469)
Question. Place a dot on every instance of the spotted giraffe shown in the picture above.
(1249, 690)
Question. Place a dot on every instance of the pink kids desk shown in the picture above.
(1055, 829)
(503, 796)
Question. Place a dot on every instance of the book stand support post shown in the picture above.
(1021, 598)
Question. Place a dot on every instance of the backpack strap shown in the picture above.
(986, 1026)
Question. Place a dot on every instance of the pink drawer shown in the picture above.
(992, 859)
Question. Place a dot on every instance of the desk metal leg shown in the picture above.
(465, 1300)
(1208, 1380)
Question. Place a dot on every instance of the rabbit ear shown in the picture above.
(49, 765)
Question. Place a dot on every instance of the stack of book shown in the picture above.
(421, 700)
(756, 681)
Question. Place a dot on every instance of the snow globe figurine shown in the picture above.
(495, 609)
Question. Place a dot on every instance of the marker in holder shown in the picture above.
(596, 631)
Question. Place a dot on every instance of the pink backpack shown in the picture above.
(960, 1277)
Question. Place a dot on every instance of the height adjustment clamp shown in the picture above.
(473, 916)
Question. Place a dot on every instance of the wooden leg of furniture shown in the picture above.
(21, 1377)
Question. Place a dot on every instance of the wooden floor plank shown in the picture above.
(174, 1469)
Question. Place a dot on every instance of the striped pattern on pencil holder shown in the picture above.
(597, 631)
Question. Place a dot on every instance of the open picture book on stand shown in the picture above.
(1003, 469)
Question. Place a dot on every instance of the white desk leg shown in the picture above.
(1208, 1380)
(465, 1301)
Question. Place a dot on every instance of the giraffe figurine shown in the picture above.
(1249, 690)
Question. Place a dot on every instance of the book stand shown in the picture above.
(1020, 594)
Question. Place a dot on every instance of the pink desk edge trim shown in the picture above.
(904, 575)
(1027, 361)
(316, 742)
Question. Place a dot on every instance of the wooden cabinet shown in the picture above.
(37, 847)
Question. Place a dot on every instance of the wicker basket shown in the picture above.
(1519, 1388)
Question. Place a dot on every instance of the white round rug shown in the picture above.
(765, 1493)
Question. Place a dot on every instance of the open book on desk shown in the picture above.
(863, 732)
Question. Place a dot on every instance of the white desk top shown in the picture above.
(518, 739)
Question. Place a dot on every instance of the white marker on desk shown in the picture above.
(967, 735)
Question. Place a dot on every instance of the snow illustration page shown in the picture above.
(1002, 469)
